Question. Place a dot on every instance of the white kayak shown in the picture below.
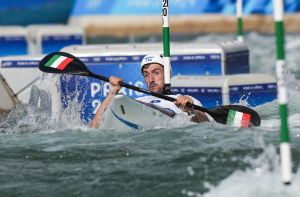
(124, 113)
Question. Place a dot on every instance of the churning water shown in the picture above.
(66, 157)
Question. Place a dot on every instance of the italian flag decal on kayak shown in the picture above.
(58, 62)
(238, 119)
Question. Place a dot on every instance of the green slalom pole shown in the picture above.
(166, 46)
(239, 15)
(285, 148)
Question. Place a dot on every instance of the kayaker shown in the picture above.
(153, 71)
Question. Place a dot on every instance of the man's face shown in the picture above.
(154, 77)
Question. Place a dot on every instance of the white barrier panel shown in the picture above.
(21, 73)
(45, 39)
(7, 99)
(249, 89)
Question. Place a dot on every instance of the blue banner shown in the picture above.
(134, 7)
(13, 45)
(52, 43)
(254, 94)
(177, 7)
(13, 4)
(208, 96)
(19, 63)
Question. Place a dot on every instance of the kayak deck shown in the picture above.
(124, 113)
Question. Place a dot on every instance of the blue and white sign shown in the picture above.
(137, 7)
(19, 63)
(208, 96)
(13, 45)
(177, 7)
(52, 43)
(254, 94)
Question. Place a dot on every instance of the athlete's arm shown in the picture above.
(114, 89)
(181, 103)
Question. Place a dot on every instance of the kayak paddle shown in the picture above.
(235, 115)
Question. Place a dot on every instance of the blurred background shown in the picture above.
(107, 21)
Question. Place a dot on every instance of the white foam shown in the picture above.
(255, 183)
(262, 180)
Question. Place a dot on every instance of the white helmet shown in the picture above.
(152, 59)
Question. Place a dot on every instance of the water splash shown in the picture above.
(44, 111)
(262, 180)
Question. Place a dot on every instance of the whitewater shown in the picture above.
(65, 157)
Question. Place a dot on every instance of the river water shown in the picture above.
(67, 158)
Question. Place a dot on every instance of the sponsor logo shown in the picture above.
(155, 101)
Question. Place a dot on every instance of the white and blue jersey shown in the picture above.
(168, 105)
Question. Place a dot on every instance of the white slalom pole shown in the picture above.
(285, 148)
(166, 45)
(239, 15)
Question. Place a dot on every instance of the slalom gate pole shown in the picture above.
(239, 15)
(285, 148)
(166, 46)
